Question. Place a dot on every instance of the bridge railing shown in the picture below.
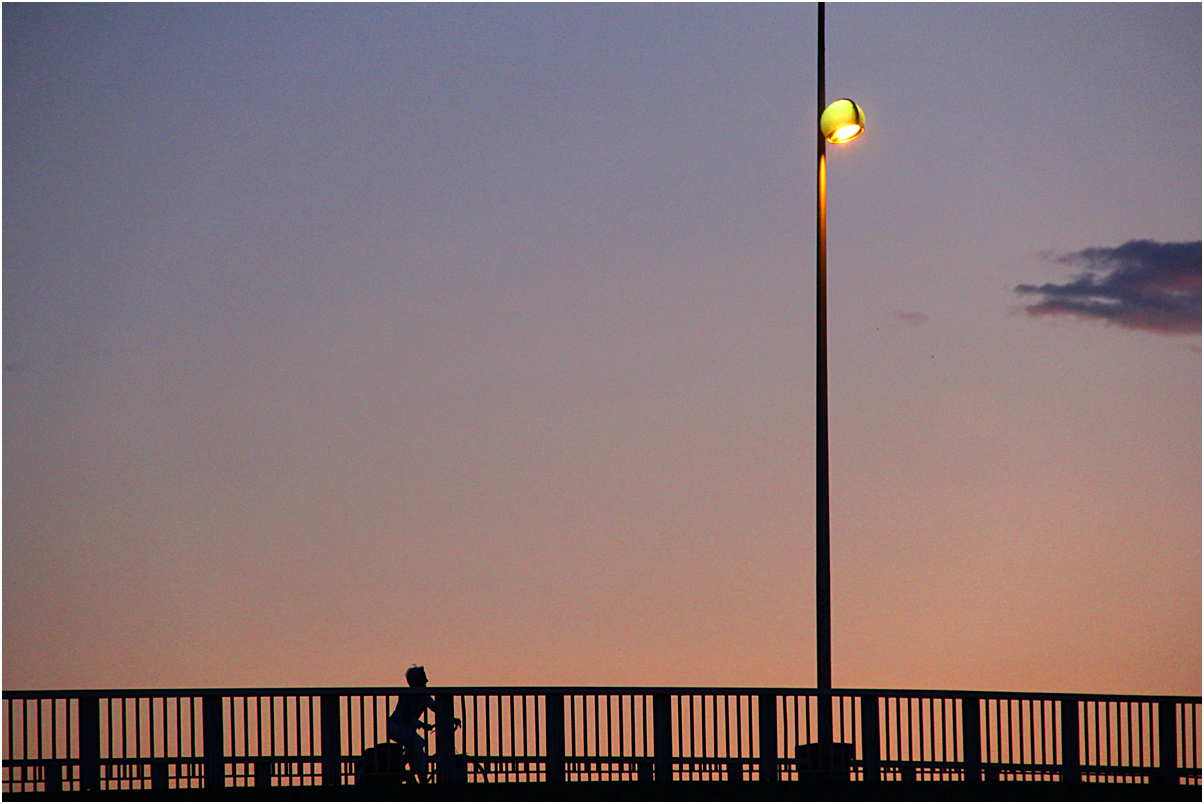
(168, 739)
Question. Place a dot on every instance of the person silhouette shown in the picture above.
(402, 726)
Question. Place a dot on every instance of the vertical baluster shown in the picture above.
(595, 748)
(871, 749)
(626, 735)
(662, 736)
(1070, 740)
(1144, 737)
(681, 745)
(54, 770)
(609, 731)
(489, 736)
(158, 758)
(233, 740)
(1126, 708)
(1168, 772)
(139, 771)
(897, 749)
(272, 720)
(10, 750)
(248, 768)
(331, 739)
(767, 717)
(689, 732)
(930, 733)
(971, 740)
(353, 748)
(573, 730)
(180, 736)
(953, 745)
(1091, 722)
(286, 767)
(54, 778)
(89, 743)
(1000, 751)
(125, 768)
(211, 712)
(1046, 743)
(311, 737)
(554, 719)
(951, 742)
(38, 707)
(739, 733)
(1007, 753)
(714, 729)
(476, 730)
(264, 768)
(1019, 738)
(1185, 759)
(363, 744)
(798, 738)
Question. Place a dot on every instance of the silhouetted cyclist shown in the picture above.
(402, 726)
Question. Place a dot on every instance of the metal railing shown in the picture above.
(168, 739)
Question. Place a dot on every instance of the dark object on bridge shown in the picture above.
(384, 763)
(827, 758)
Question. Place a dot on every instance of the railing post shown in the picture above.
(871, 746)
(767, 725)
(662, 736)
(214, 743)
(159, 774)
(1168, 756)
(554, 718)
(52, 773)
(1070, 741)
(332, 742)
(89, 743)
(445, 738)
(971, 740)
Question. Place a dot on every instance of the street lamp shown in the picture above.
(840, 122)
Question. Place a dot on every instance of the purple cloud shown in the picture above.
(1140, 285)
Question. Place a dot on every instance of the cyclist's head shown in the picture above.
(416, 676)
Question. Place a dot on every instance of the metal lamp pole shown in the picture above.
(842, 121)
(823, 580)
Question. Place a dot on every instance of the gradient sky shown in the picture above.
(340, 337)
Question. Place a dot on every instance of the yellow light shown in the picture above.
(842, 121)
(846, 133)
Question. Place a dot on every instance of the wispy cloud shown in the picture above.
(1140, 285)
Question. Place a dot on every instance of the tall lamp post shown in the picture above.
(842, 121)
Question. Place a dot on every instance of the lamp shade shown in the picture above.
(842, 121)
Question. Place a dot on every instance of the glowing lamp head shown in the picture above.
(842, 121)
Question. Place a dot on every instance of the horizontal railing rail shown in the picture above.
(63, 740)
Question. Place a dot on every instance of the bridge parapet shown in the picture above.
(214, 738)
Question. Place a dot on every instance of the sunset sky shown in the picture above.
(339, 338)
